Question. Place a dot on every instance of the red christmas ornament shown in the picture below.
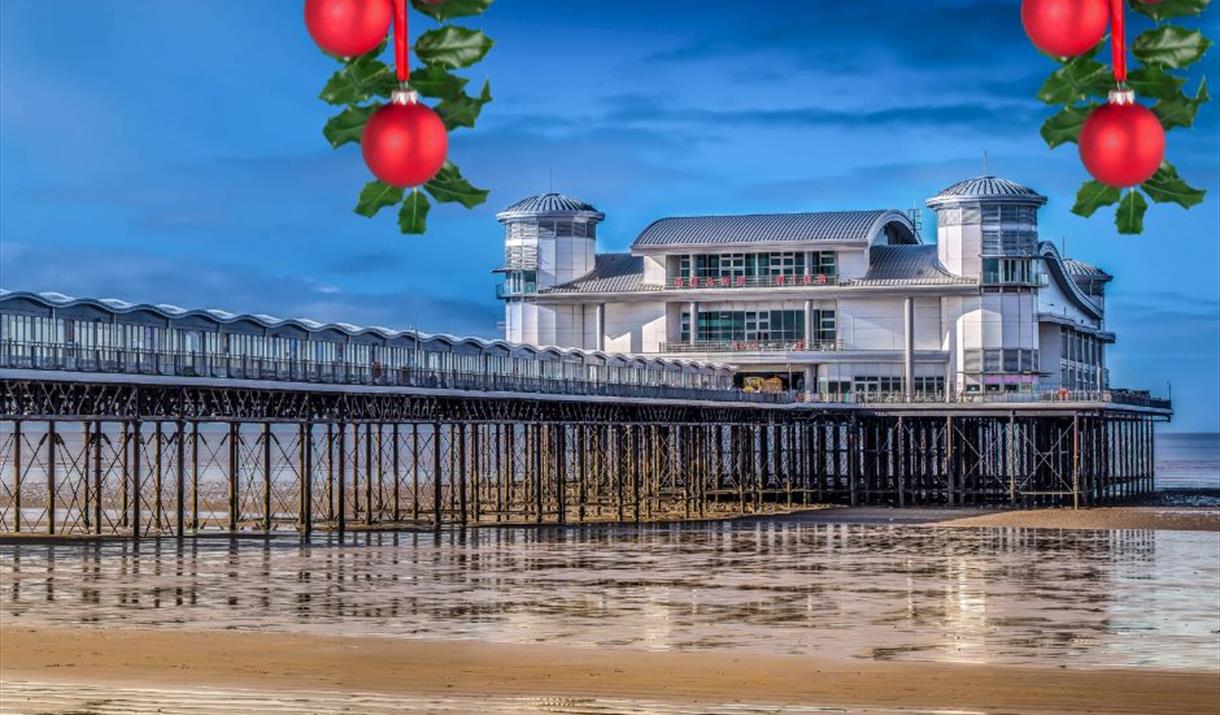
(1122, 143)
(404, 142)
(347, 27)
(1065, 28)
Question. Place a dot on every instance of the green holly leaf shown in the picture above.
(446, 9)
(348, 125)
(453, 47)
(463, 110)
(1180, 110)
(1167, 187)
(375, 196)
(413, 216)
(1129, 218)
(448, 186)
(1170, 46)
(1077, 79)
(1092, 196)
(358, 81)
(1065, 126)
(1153, 81)
(435, 81)
(1169, 8)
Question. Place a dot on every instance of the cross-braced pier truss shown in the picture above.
(94, 457)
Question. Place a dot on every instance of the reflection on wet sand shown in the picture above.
(1081, 598)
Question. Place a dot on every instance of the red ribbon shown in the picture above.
(400, 40)
(1118, 40)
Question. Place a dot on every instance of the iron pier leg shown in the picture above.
(234, 481)
(97, 477)
(137, 453)
(267, 476)
(341, 486)
(51, 476)
(436, 477)
(17, 470)
(180, 473)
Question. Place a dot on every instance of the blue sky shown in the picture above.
(171, 152)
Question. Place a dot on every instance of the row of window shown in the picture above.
(874, 385)
(998, 214)
(1081, 360)
(1006, 360)
(54, 338)
(1010, 271)
(550, 228)
(756, 265)
(758, 325)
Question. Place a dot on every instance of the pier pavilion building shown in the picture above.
(846, 305)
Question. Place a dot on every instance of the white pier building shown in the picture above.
(839, 306)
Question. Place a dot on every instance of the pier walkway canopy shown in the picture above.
(50, 331)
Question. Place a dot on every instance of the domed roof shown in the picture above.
(550, 203)
(986, 187)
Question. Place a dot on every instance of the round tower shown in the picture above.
(985, 218)
(549, 239)
(987, 229)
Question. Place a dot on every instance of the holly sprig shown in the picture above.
(362, 84)
(1082, 83)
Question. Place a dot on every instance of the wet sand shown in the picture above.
(267, 661)
(1128, 517)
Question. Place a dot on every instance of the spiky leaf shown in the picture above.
(1169, 8)
(435, 81)
(1065, 126)
(1092, 196)
(348, 125)
(448, 186)
(358, 81)
(1077, 79)
(1166, 186)
(1180, 110)
(1170, 46)
(453, 47)
(413, 216)
(375, 196)
(1154, 82)
(451, 8)
(463, 110)
(1129, 217)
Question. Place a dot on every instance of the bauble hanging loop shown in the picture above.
(1122, 143)
(347, 28)
(1065, 28)
(405, 142)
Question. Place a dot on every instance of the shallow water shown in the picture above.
(1077, 598)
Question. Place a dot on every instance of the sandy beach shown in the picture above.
(269, 661)
(1126, 517)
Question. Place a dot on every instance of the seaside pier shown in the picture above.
(419, 431)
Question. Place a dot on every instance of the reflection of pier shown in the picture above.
(476, 432)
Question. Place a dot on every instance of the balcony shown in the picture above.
(506, 290)
(752, 346)
(772, 281)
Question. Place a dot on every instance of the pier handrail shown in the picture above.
(31, 355)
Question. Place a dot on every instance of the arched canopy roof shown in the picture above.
(169, 316)
(884, 225)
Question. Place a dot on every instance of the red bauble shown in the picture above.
(1065, 28)
(348, 27)
(404, 142)
(1122, 143)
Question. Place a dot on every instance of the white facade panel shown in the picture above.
(627, 324)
